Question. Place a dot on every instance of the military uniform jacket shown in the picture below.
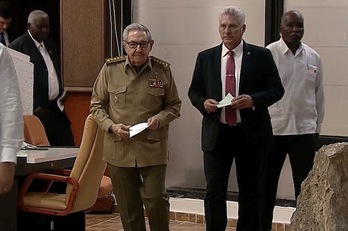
(120, 95)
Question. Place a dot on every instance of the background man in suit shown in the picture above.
(298, 116)
(257, 85)
(129, 90)
(47, 81)
(5, 22)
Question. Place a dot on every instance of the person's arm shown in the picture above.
(99, 103)
(197, 91)
(274, 89)
(100, 100)
(11, 120)
(319, 97)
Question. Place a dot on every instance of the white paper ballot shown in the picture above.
(136, 129)
(25, 72)
(225, 101)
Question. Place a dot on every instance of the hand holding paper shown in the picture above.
(136, 129)
(225, 101)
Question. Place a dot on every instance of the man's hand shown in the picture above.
(7, 170)
(153, 123)
(210, 105)
(242, 101)
(121, 130)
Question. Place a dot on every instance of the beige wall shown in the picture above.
(182, 28)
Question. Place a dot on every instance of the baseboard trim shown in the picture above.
(192, 210)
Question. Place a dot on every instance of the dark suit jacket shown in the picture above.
(12, 35)
(26, 45)
(259, 78)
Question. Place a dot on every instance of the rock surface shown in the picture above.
(323, 202)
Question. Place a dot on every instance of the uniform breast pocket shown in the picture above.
(312, 72)
(156, 92)
(117, 96)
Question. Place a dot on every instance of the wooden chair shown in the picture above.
(82, 181)
(34, 131)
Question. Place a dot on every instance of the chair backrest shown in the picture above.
(34, 131)
(89, 166)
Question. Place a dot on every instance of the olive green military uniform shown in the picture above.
(138, 165)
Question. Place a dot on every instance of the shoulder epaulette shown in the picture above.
(115, 59)
(164, 64)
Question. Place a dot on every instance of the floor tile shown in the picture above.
(112, 222)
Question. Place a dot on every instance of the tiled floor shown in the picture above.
(179, 219)
(112, 222)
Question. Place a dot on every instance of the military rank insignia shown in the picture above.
(157, 83)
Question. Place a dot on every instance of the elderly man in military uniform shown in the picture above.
(137, 89)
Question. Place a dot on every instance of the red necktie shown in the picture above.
(231, 116)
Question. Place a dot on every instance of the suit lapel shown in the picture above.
(245, 68)
(34, 51)
(217, 71)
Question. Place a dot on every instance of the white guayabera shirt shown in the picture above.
(11, 110)
(301, 110)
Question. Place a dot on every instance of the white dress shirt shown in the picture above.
(53, 84)
(11, 110)
(301, 110)
(238, 55)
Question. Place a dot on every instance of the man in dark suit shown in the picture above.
(48, 88)
(241, 130)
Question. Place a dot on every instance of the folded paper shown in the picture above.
(136, 129)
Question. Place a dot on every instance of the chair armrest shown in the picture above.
(63, 172)
(50, 178)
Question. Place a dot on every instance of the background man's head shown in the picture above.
(292, 28)
(39, 25)
(5, 15)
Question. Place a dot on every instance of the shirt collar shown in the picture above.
(238, 50)
(284, 48)
(35, 41)
(147, 63)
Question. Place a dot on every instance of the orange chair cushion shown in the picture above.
(104, 200)
(105, 186)
(34, 131)
(45, 200)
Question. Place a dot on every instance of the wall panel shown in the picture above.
(83, 46)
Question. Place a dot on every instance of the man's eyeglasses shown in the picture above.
(134, 45)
